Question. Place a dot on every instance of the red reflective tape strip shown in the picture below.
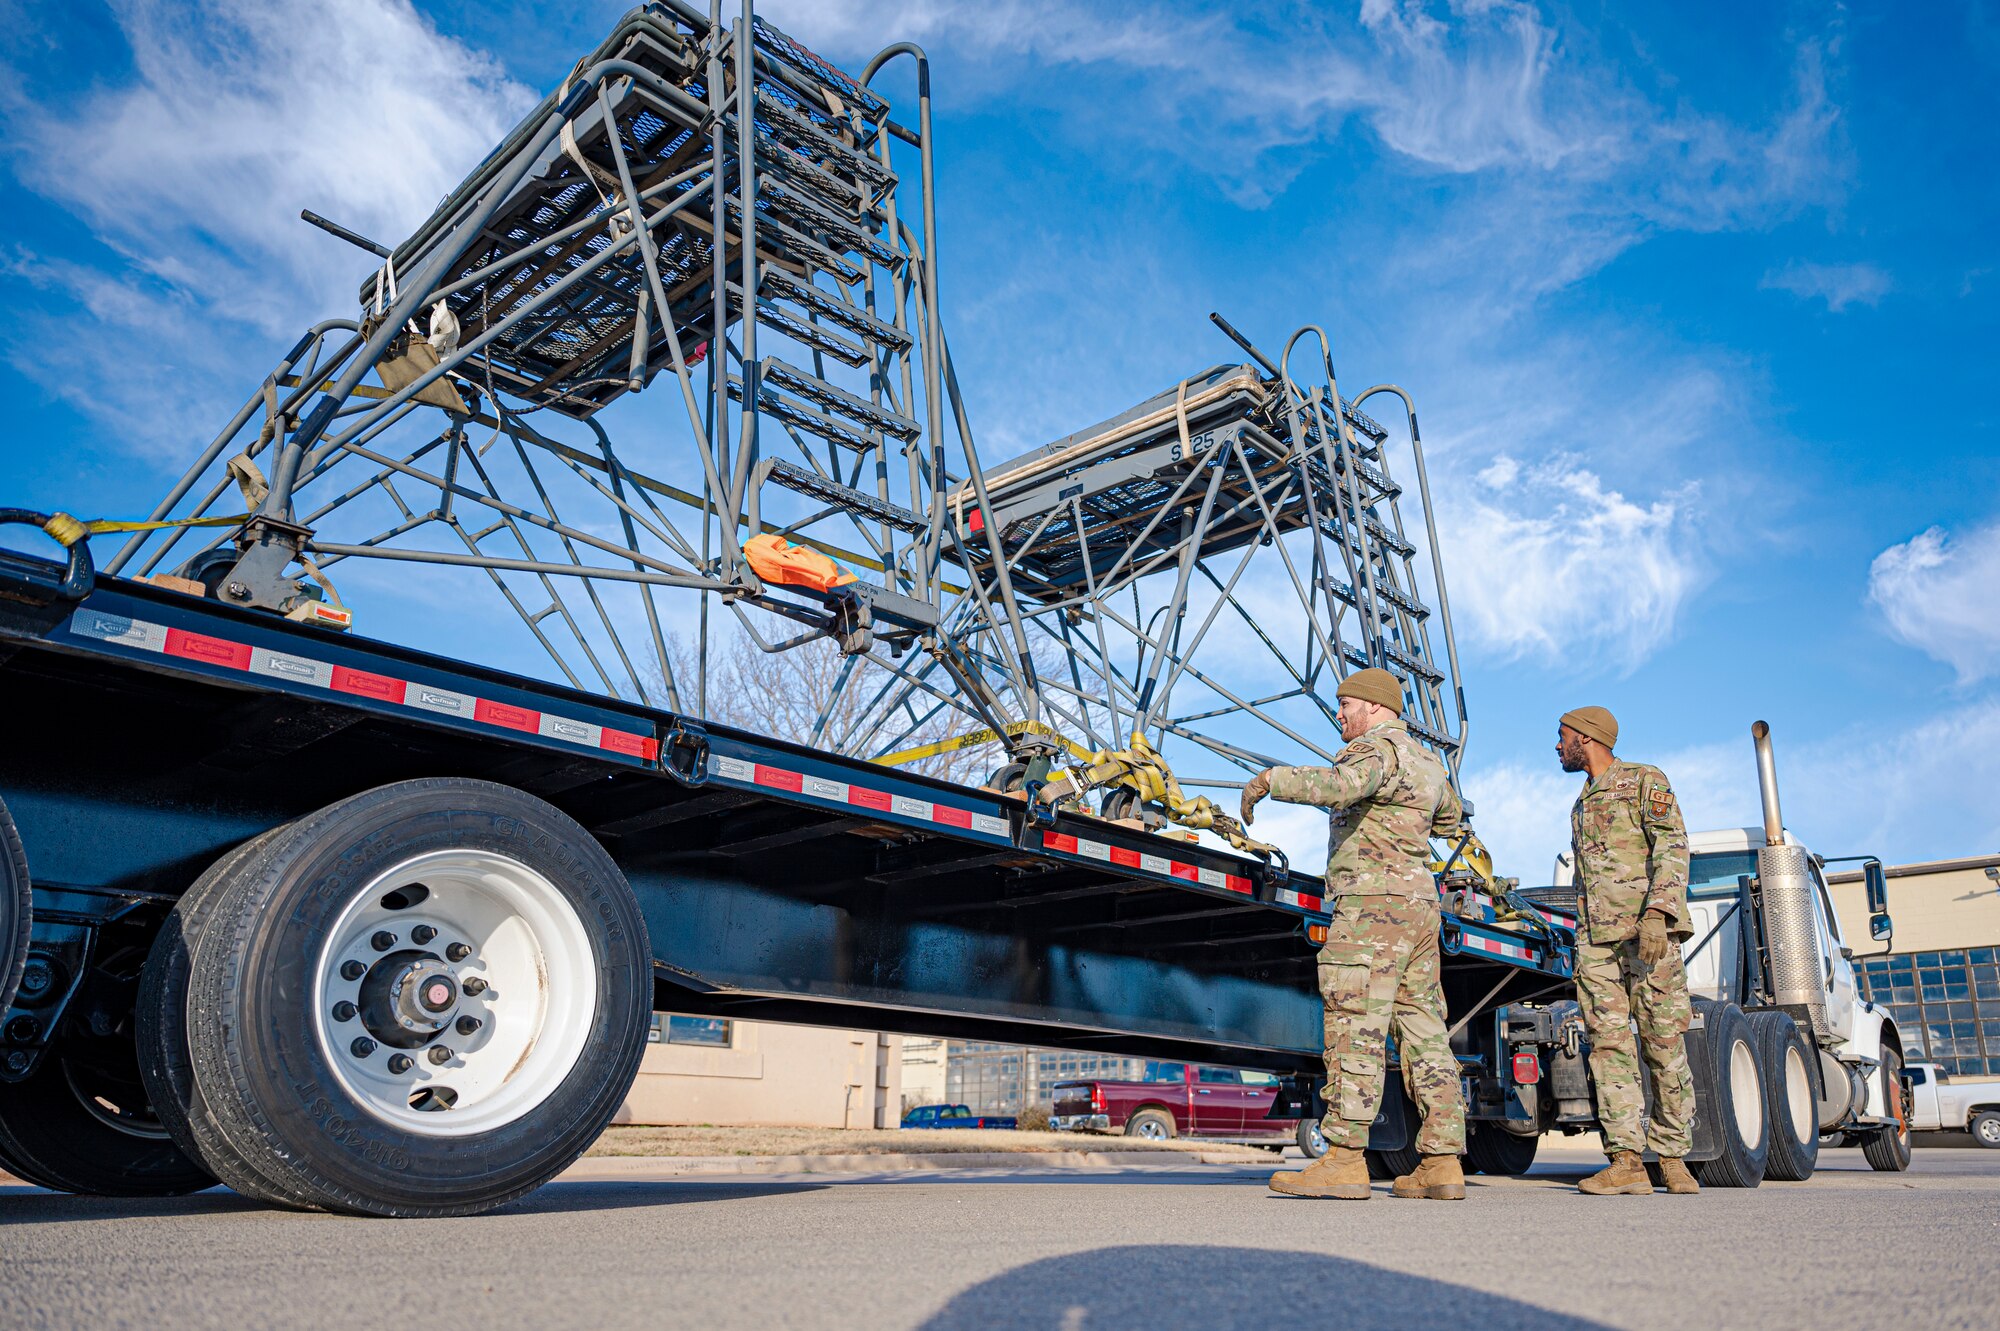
(360, 682)
(1123, 858)
(1187, 871)
(779, 778)
(950, 817)
(201, 647)
(1235, 884)
(386, 688)
(975, 521)
(1311, 903)
(500, 714)
(620, 741)
(1059, 841)
(869, 799)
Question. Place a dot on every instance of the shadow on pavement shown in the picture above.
(1111, 1289)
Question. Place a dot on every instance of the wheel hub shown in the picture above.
(454, 992)
(408, 997)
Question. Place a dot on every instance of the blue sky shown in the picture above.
(1698, 303)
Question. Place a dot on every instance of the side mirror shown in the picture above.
(1878, 888)
(1881, 928)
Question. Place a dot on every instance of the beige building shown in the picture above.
(1939, 977)
(712, 1070)
(925, 1060)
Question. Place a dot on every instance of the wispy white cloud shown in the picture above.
(1941, 595)
(1918, 787)
(1838, 284)
(192, 174)
(1458, 88)
(1551, 564)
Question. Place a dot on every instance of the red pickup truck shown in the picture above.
(1176, 1100)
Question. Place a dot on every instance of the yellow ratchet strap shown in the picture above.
(69, 530)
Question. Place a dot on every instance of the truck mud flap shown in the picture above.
(1707, 1145)
(1395, 1122)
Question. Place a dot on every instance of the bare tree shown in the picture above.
(798, 695)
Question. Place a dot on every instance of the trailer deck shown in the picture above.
(153, 730)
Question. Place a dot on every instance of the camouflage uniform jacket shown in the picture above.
(1631, 852)
(1386, 796)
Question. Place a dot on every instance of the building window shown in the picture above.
(1946, 1004)
(711, 1031)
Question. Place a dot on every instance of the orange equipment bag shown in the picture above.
(774, 559)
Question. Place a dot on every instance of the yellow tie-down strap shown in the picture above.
(972, 739)
(1141, 769)
(69, 530)
(1474, 861)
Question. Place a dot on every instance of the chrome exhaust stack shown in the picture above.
(1767, 784)
(1785, 888)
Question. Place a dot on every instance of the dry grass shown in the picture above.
(705, 1140)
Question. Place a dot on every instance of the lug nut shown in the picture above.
(422, 934)
(382, 941)
(399, 1064)
(343, 1011)
(468, 1024)
(352, 970)
(473, 985)
(457, 952)
(18, 1060)
(23, 1029)
(440, 1055)
(362, 1046)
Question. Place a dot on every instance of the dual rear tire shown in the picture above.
(424, 1000)
(1730, 1092)
(1791, 1105)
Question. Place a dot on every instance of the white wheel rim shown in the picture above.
(1316, 1138)
(1989, 1129)
(1799, 1097)
(1151, 1128)
(527, 979)
(1746, 1095)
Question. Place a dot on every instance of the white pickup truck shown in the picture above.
(1940, 1102)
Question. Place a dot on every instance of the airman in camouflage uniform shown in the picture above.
(1386, 796)
(1631, 854)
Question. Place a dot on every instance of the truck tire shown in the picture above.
(82, 1121)
(1495, 1151)
(425, 1000)
(1311, 1138)
(1790, 1106)
(1985, 1129)
(161, 1026)
(1887, 1150)
(1152, 1124)
(1734, 1098)
(17, 909)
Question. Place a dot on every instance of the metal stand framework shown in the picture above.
(714, 205)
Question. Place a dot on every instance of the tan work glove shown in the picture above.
(1256, 788)
(1652, 937)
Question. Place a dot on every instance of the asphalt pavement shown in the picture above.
(1195, 1246)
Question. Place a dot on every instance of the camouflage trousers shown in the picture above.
(1379, 973)
(1617, 992)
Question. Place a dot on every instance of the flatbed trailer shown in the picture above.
(151, 733)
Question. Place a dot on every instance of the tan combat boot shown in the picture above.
(1625, 1174)
(1439, 1178)
(1341, 1173)
(1674, 1173)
